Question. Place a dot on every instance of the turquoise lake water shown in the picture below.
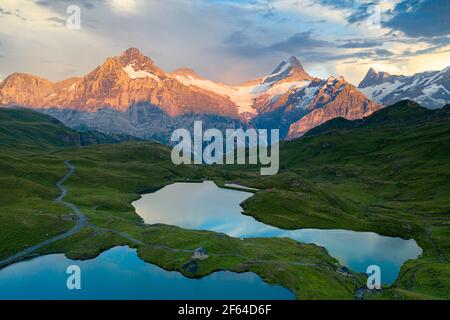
(119, 274)
(204, 206)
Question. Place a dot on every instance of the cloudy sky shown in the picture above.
(228, 40)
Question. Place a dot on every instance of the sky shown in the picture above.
(227, 40)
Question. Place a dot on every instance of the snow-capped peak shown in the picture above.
(186, 72)
(374, 77)
(132, 54)
(293, 61)
(430, 88)
(288, 76)
(137, 74)
(333, 79)
(288, 71)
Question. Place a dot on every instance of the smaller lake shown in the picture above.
(120, 274)
(204, 206)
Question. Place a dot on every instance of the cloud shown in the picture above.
(415, 18)
(345, 56)
(237, 38)
(298, 41)
(349, 57)
(361, 44)
(87, 4)
(356, 11)
(317, 21)
(266, 9)
(242, 44)
(58, 21)
(225, 40)
(383, 53)
(51, 61)
(426, 18)
(436, 44)
(5, 12)
(15, 13)
(362, 12)
(343, 4)
(125, 6)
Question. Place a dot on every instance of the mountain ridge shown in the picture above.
(332, 102)
(430, 88)
(277, 101)
(35, 130)
(402, 113)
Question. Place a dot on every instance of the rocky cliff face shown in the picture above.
(288, 71)
(373, 78)
(118, 83)
(334, 98)
(105, 99)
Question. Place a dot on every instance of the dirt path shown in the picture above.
(80, 223)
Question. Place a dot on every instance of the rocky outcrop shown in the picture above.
(335, 98)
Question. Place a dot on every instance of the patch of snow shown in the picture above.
(204, 84)
(439, 75)
(432, 103)
(73, 86)
(380, 91)
(242, 95)
(287, 86)
(431, 90)
(307, 98)
(283, 69)
(411, 85)
(133, 74)
(238, 186)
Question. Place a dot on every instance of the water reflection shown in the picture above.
(204, 206)
(119, 274)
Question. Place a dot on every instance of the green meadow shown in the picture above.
(388, 173)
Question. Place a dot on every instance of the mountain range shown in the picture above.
(129, 94)
(430, 89)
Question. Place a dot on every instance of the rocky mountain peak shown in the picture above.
(288, 71)
(294, 62)
(371, 71)
(135, 58)
(374, 77)
(429, 88)
(333, 79)
(137, 65)
(130, 79)
(132, 54)
(186, 72)
(334, 98)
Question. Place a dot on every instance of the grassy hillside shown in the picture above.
(388, 173)
(107, 178)
(36, 131)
